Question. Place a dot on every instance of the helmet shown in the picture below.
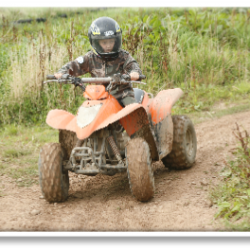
(105, 30)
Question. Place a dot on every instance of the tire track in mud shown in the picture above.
(104, 203)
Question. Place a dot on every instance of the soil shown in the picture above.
(105, 203)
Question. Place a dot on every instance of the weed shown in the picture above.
(11, 130)
(15, 153)
(19, 154)
(232, 196)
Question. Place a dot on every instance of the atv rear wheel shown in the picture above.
(53, 180)
(184, 147)
(140, 174)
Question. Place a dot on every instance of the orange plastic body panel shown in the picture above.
(146, 100)
(135, 119)
(61, 119)
(160, 106)
(95, 92)
(110, 112)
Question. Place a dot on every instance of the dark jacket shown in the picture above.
(97, 67)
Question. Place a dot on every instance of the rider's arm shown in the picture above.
(79, 66)
(132, 68)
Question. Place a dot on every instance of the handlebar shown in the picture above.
(66, 78)
(50, 77)
(142, 77)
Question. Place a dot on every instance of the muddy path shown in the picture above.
(104, 203)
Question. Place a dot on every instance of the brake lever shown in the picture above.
(109, 87)
(138, 82)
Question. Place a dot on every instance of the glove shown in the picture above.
(120, 79)
(125, 78)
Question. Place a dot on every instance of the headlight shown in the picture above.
(86, 115)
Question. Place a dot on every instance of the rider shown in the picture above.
(106, 59)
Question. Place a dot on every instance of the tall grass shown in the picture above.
(203, 51)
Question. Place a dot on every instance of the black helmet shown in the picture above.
(105, 28)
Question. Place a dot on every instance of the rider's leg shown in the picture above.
(124, 97)
(128, 100)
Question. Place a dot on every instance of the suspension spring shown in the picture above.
(114, 147)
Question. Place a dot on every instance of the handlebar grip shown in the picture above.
(142, 77)
(50, 77)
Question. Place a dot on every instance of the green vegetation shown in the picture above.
(203, 51)
(233, 194)
(19, 151)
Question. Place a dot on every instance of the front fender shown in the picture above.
(61, 119)
(136, 124)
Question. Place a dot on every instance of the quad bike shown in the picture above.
(105, 137)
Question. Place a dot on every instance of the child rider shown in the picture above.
(106, 59)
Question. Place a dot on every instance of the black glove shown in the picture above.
(65, 76)
(125, 79)
(120, 79)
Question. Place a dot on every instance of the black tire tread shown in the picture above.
(54, 183)
(177, 159)
(140, 174)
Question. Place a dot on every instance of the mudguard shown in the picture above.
(133, 118)
(159, 111)
(150, 120)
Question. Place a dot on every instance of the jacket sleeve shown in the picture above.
(79, 66)
(131, 65)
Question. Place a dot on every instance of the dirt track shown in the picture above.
(103, 203)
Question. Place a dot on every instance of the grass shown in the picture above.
(203, 51)
(199, 117)
(232, 195)
(19, 151)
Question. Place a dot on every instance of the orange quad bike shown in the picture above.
(105, 137)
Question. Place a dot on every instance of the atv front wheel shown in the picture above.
(140, 174)
(68, 140)
(184, 147)
(53, 180)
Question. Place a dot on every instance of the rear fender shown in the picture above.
(161, 120)
(161, 105)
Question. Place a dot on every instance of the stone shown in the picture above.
(130, 204)
(193, 183)
(204, 183)
(35, 212)
(41, 197)
(19, 180)
(79, 196)
(209, 203)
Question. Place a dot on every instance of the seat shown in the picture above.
(139, 94)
